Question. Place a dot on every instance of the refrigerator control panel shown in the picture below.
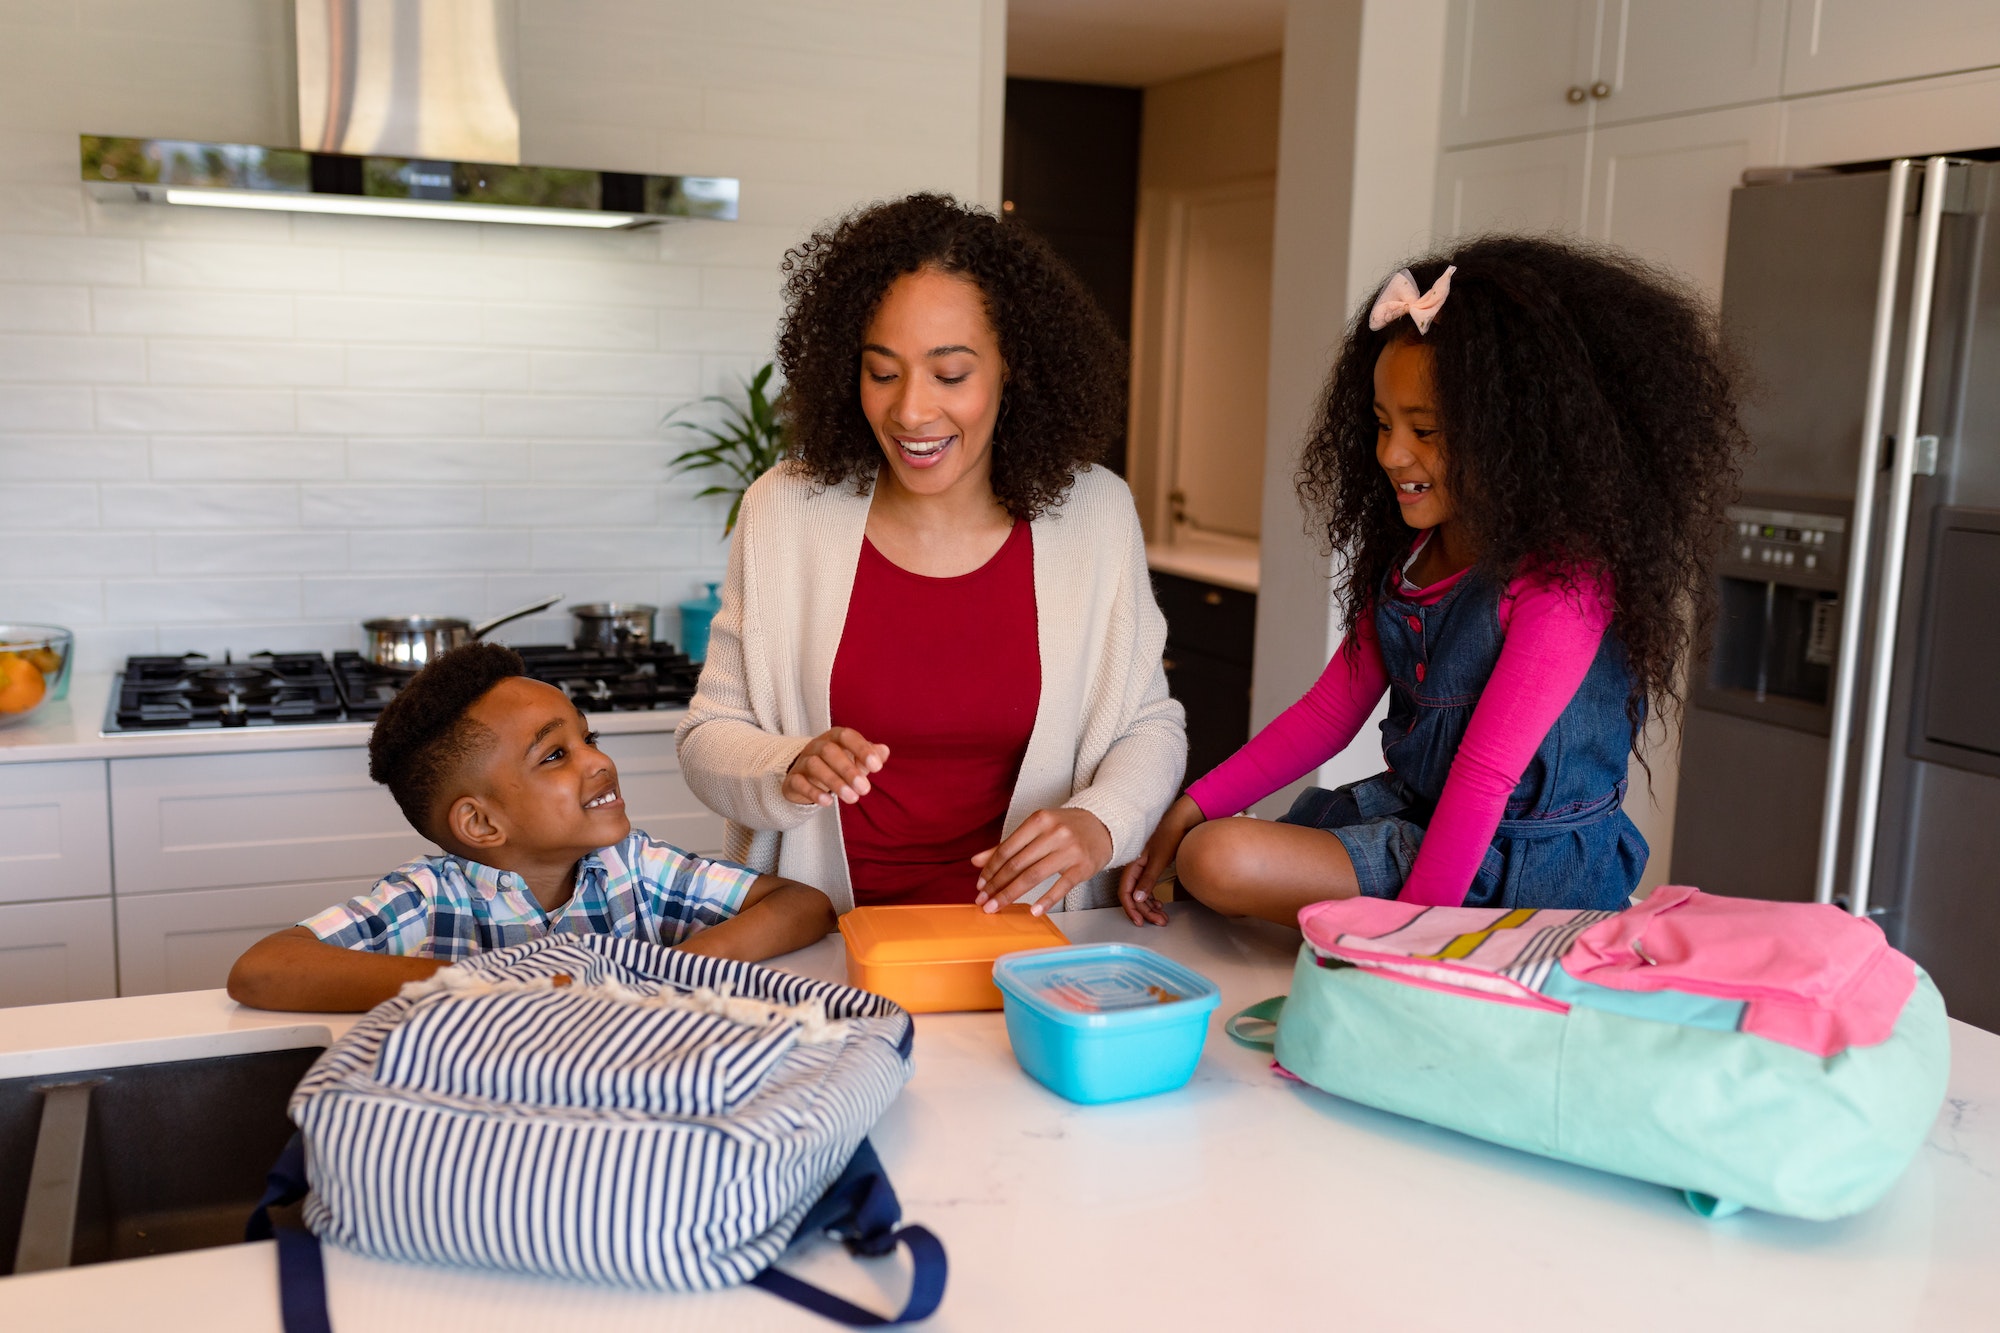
(1784, 546)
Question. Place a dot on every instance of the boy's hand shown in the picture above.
(1069, 843)
(835, 763)
(296, 970)
(1135, 886)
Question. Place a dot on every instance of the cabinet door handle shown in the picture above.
(1575, 95)
(1168, 663)
(1212, 597)
(1600, 90)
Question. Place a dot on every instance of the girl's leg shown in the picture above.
(1248, 867)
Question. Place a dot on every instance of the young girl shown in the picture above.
(1554, 425)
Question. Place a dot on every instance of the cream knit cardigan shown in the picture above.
(1107, 737)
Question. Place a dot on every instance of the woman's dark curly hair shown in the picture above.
(1588, 413)
(1064, 399)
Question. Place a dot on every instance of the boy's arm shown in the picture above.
(777, 916)
(295, 969)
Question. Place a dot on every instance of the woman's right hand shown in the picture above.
(834, 763)
(1135, 885)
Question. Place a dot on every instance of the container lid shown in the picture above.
(1103, 984)
(947, 933)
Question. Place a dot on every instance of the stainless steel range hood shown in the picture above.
(406, 109)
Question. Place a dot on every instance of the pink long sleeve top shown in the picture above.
(1552, 636)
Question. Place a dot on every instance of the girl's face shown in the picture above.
(1408, 443)
(931, 376)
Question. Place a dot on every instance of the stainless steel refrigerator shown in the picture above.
(1842, 743)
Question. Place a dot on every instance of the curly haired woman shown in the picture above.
(1554, 424)
(936, 673)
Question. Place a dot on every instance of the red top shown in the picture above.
(947, 673)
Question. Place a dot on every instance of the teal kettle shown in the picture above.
(696, 616)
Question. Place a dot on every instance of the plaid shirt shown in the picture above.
(451, 908)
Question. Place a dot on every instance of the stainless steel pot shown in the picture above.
(406, 643)
(612, 627)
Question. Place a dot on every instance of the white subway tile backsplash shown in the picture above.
(437, 368)
(437, 460)
(216, 266)
(629, 328)
(240, 637)
(91, 554)
(389, 506)
(748, 332)
(51, 358)
(579, 416)
(646, 282)
(448, 550)
(209, 361)
(42, 208)
(361, 597)
(571, 506)
(168, 601)
(37, 407)
(70, 457)
(504, 592)
(613, 548)
(224, 506)
(675, 373)
(270, 552)
(576, 462)
(105, 647)
(29, 309)
(247, 458)
(92, 259)
(373, 412)
(160, 410)
(376, 319)
(433, 273)
(194, 313)
(34, 506)
(55, 601)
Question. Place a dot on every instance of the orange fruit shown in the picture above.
(21, 685)
(45, 659)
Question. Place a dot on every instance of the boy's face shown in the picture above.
(543, 784)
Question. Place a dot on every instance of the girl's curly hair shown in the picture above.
(1064, 399)
(1588, 412)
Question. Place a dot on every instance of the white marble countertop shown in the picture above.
(1232, 562)
(1242, 1201)
(72, 728)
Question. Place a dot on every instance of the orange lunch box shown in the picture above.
(935, 959)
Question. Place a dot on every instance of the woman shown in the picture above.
(936, 673)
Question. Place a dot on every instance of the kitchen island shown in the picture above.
(1242, 1201)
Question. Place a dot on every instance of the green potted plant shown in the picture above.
(749, 442)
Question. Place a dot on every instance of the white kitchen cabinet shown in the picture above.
(1510, 66)
(1847, 43)
(283, 816)
(188, 940)
(51, 953)
(1911, 119)
(54, 831)
(1667, 57)
(657, 799)
(1661, 189)
(1533, 185)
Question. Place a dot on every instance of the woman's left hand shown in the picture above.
(1069, 843)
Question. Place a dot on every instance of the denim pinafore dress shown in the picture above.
(1564, 839)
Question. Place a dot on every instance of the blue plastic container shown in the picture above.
(1104, 1022)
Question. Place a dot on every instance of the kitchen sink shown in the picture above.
(139, 1159)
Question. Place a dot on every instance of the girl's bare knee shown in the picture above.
(1211, 866)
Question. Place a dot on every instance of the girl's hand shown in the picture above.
(834, 763)
(1069, 843)
(1135, 886)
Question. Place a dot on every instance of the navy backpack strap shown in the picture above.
(301, 1274)
(861, 1208)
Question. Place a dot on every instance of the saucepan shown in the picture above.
(405, 643)
(613, 627)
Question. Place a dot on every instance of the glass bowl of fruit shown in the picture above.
(34, 668)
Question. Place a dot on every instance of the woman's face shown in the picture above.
(931, 376)
(1408, 443)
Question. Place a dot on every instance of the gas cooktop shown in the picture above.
(194, 692)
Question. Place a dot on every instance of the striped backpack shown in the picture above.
(607, 1110)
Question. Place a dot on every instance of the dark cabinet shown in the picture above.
(1210, 634)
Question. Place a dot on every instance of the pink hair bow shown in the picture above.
(1399, 298)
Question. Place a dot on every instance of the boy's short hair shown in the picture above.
(424, 735)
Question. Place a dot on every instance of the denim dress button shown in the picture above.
(1415, 624)
(1420, 673)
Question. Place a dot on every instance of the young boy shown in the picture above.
(500, 771)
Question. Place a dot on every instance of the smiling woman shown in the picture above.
(936, 673)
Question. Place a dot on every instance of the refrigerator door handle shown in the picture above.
(1895, 539)
(1853, 595)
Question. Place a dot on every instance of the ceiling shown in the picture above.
(1137, 42)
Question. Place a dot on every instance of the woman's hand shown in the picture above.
(834, 763)
(1069, 843)
(1135, 886)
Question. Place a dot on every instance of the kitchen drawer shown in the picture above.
(1221, 622)
(55, 833)
(51, 953)
(188, 940)
(1216, 695)
(656, 796)
(210, 821)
